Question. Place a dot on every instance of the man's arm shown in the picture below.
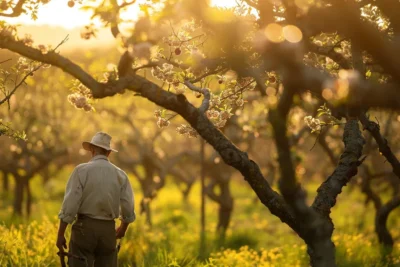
(61, 241)
(72, 198)
(70, 207)
(127, 208)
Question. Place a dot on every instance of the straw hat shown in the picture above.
(100, 139)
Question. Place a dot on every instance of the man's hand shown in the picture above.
(61, 243)
(121, 230)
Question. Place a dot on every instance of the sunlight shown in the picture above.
(50, 14)
(70, 18)
(223, 3)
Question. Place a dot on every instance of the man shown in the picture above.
(94, 193)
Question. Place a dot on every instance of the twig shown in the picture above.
(20, 83)
(241, 90)
(1, 62)
(204, 91)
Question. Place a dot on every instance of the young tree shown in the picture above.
(139, 156)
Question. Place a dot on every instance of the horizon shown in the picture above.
(49, 15)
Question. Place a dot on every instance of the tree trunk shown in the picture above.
(203, 201)
(146, 185)
(6, 181)
(320, 247)
(322, 253)
(225, 209)
(145, 208)
(28, 198)
(19, 196)
(186, 191)
(46, 175)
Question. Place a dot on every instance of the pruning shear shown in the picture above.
(62, 254)
(118, 245)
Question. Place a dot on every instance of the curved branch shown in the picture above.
(364, 35)
(346, 169)
(17, 10)
(204, 91)
(381, 219)
(383, 145)
(328, 52)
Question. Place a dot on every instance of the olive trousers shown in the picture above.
(93, 240)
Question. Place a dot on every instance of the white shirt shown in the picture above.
(98, 189)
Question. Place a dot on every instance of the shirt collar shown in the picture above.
(99, 157)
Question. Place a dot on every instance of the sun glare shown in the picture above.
(57, 13)
(223, 3)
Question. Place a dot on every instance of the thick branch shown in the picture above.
(17, 10)
(381, 219)
(366, 188)
(54, 59)
(383, 145)
(337, 18)
(328, 52)
(290, 188)
(346, 169)
(362, 94)
(211, 193)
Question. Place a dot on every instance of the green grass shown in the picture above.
(255, 238)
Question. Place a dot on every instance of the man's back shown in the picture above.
(97, 189)
(102, 184)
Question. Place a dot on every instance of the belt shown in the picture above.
(84, 216)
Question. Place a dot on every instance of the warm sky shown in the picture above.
(56, 13)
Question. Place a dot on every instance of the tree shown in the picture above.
(42, 119)
(253, 48)
(139, 156)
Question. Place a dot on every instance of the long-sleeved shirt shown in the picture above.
(99, 190)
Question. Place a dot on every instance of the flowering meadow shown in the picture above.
(255, 237)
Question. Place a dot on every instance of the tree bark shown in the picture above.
(6, 181)
(28, 198)
(224, 210)
(321, 251)
(145, 208)
(19, 196)
(384, 236)
(146, 200)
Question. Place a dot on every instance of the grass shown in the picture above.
(255, 238)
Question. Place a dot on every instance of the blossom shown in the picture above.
(212, 113)
(141, 50)
(184, 129)
(161, 123)
(240, 102)
(314, 124)
(157, 113)
(179, 89)
(43, 49)
(220, 123)
(27, 40)
(224, 115)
